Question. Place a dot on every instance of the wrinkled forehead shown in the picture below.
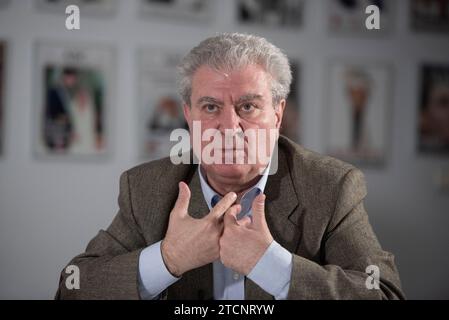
(249, 78)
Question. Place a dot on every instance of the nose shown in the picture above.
(229, 120)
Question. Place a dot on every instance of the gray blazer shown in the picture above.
(314, 209)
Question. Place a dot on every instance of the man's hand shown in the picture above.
(191, 243)
(244, 241)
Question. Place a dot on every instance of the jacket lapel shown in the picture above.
(197, 207)
(196, 284)
(282, 210)
(282, 207)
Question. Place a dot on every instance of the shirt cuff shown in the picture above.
(153, 274)
(273, 271)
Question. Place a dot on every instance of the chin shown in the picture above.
(229, 171)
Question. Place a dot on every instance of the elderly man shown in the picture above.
(232, 230)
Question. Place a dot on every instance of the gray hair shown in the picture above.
(230, 51)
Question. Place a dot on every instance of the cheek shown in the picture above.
(266, 120)
(198, 127)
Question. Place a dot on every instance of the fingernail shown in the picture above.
(234, 195)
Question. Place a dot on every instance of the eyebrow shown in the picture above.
(249, 97)
(209, 100)
(244, 98)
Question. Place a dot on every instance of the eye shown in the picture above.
(247, 107)
(210, 108)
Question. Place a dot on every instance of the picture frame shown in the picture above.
(430, 16)
(74, 104)
(159, 104)
(2, 94)
(291, 120)
(433, 109)
(358, 111)
(348, 17)
(178, 10)
(87, 7)
(271, 14)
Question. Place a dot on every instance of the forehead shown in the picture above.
(248, 79)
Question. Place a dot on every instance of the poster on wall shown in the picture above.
(89, 7)
(358, 111)
(189, 10)
(433, 124)
(430, 15)
(2, 93)
(291, 121)
(282, 13)
(74, 100)
(349, 16)
(160, 107)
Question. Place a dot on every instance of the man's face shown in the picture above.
(233, 101)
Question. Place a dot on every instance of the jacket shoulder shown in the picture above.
(157, 175)
(321, 180)
(311, 164)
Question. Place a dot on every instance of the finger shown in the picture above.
(230, 217)
(245, 221)
(182, 203)
(223, 205)
(258, 210)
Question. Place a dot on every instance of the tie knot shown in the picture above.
(215, 199)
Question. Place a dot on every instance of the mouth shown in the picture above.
(232, 150)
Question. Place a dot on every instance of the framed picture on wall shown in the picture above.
(430, 15)
(291, 121)
(160, 107)
(433, 124)
(349, 16)
(2, 92)
(266, 13)
(74, 100)
(191, 10)
(358, 111)
(88, 7)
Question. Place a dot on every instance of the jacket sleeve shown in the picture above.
(348, 248)
(108, 268)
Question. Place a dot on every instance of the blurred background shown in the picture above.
(78, 107)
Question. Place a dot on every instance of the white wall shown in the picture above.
(50, 210)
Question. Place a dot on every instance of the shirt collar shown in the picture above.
(247, 199)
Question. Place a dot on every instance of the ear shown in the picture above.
(187, 113)
(279, 112)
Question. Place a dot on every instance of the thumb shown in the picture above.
(182, 203)
(230, 217)
(245, 221)
(258, 210)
